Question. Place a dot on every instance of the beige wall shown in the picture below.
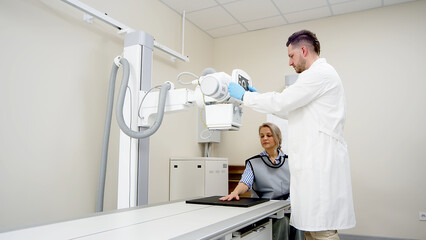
(55, 70)
(379, 55)
(54, 79)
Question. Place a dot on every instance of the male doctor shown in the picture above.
(320, 184)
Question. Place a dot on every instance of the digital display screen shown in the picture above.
(243, 82)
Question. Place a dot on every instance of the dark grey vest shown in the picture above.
(270, 181)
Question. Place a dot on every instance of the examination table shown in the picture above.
(176, 220)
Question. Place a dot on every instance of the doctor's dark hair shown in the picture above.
(305, 37)
(276, 132)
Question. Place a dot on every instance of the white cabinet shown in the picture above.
(198, 177)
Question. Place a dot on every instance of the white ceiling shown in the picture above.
(220, 18)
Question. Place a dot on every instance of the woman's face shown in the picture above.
(266, 138)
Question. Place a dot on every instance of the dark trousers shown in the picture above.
(281, 230)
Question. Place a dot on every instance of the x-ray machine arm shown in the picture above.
(135, 117)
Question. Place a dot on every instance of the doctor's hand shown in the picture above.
(231, 196)
(236, 91)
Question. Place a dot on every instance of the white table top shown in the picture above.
(168, 221)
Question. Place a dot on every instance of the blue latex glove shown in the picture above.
(236, 91)
(252, 89)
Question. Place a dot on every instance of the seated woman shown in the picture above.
(267, 175)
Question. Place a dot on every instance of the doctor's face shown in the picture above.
(296, 59)
(266, 138)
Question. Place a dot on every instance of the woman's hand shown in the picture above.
(231, 196)
(239, 189)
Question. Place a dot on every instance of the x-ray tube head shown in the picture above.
(216, 86)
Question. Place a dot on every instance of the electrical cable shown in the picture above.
(120, 119)
(160, 109)
(186, 73)
(105, 140)
(146, 94)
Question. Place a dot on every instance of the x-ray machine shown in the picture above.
(140, 111)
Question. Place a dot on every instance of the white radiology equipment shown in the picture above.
(222, 113)
(140, 111)
(176, 220)
(229, 114)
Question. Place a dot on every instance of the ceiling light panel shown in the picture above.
(265, 23)
(355, 6)
(392, 2)
(226, 1)
(248, 10)
(211, 18)
(189, 5)
(226, 31)
(289, 6)
(308, 15)
(338, 1)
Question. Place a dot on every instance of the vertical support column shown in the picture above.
(133, 169)
(146, 76)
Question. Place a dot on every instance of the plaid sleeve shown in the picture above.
(248, 177)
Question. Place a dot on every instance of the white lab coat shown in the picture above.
(320, 184)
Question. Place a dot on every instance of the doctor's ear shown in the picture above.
(304, 51)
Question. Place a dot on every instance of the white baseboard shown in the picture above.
(360, 237)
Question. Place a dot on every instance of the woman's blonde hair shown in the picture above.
(276, 132)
